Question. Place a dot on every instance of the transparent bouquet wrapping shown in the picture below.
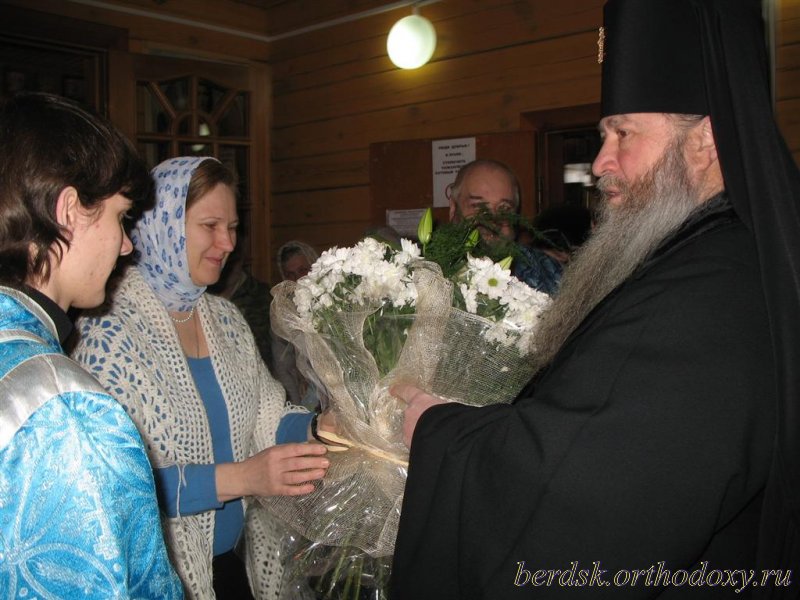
(355, 356)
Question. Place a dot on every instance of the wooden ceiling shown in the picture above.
(235, 29)
(262, 17)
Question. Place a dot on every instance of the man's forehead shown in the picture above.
(483, 175)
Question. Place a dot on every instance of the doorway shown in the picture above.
(567, 141)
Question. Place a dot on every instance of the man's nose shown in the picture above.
(606, 161)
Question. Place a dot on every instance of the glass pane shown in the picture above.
(48, 67)
(185, 125)
(234, 122)
(154, 152)
(208, 95)
(191, 149)
(203, 128)
(236, 158)
(177, 91)
(151, 116)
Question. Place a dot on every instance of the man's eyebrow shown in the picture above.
(611, 122)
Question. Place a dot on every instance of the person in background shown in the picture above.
(490, 185)
(251, 296)
(78, 510)
(294, 261)
(186, 367)
(660, 435)
(485, 184)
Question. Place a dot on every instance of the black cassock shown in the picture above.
(643, 449)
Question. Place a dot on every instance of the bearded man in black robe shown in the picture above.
(655, 454)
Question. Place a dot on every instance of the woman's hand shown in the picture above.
(417, 402)
(282, 470)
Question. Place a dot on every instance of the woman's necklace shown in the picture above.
(191, 314)
(184, 333)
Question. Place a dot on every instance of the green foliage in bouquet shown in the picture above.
(449, 244)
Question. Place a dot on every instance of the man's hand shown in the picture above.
(417, 402)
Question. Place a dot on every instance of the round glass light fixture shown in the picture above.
(411, 42)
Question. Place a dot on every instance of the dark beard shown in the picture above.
(652, 209)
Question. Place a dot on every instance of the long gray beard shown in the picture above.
(625, 236)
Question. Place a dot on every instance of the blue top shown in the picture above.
(198, 491)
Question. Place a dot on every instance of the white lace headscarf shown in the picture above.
(159, 237)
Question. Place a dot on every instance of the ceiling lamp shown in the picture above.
(411, 41)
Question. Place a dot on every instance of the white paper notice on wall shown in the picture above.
(405, 222)
(448, 157)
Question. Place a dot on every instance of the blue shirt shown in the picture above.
(198, 491)
(539, 270)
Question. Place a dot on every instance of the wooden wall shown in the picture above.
(335, 92)
(787, 76)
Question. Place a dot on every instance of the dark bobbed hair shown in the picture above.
(48, 143)
(206, 177)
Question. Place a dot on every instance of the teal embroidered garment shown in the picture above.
(78, 512)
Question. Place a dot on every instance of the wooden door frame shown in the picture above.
(570, 117)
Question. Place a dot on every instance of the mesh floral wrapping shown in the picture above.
(445, 351)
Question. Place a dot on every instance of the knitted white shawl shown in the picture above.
(133, 349)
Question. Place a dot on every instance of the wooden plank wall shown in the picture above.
(336, 92)
(787, 73)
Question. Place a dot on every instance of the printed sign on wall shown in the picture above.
(448, 157)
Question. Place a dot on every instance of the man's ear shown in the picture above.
(452, 208)
(67, 207)
(703, 160)
(704, 146)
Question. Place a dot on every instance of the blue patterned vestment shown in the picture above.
(78, 512)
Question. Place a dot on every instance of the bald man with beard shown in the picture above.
(657, 440)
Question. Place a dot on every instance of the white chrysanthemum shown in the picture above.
(470, 296)
(303, 300)
(500, 333)
(488, 277)
(330, 260)
(408, 254)
(372, 273)
(407, 297)
(492, 292)
(366, 252)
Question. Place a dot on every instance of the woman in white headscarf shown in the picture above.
(185, 366)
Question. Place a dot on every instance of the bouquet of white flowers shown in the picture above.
(367, 317)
